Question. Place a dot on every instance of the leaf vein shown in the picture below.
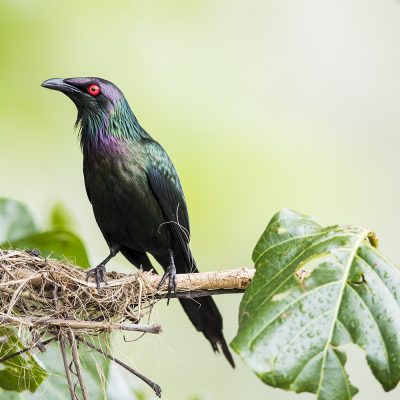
(346, 271)
(377, 327)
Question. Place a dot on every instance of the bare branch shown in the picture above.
(88, 325)
(230, 279)
(66, 367)
(78, 368)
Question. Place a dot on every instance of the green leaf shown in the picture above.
(16, 220)
(58, 244)
(60, 218)
(21, 372)
(316, 289)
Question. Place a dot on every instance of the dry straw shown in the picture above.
(46, 293)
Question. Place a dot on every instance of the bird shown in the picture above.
(136, 194)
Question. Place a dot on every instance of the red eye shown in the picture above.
(94, 90)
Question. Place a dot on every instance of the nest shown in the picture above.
(49, 294)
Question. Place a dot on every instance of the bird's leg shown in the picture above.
(99, 272)
(169, 273)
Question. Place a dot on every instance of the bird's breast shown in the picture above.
(124, 206)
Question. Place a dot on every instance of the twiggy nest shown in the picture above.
(46, 290)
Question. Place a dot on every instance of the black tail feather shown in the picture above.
(205, 316)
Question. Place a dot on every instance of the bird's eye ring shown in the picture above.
(93, 90)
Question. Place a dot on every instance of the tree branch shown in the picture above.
(229, 279)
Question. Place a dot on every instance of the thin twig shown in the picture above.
(73, 324)
(18, 353)
(7, 272)
(64, 352)
(37, 339)
(66, 366)
(78, 368)
(55, 296)
(28, 295)
(154, 386)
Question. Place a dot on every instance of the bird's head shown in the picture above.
(102, 108)
(90, 95)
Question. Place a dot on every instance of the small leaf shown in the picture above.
(20, 372)
(58, 244)
(316, 289)
(16, 220)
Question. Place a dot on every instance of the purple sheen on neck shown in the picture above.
(110, 144)
(104, 144)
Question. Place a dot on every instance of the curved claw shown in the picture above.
(99, 274)
(169, 273)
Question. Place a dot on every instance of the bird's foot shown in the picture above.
(170, 274)
(99, 274)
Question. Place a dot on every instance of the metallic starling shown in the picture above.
(136, 194)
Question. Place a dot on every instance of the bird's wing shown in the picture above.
(86, 172)
(165, 184)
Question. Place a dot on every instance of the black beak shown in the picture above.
(60, 85)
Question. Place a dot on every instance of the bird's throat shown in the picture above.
(109, 133)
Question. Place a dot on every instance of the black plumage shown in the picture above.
(136, 194)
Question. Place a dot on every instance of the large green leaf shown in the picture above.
(21, 372)
(16, 220)
(18, 230)
(59, 244)
(316, 289)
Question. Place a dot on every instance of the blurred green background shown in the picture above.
(261, 105)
